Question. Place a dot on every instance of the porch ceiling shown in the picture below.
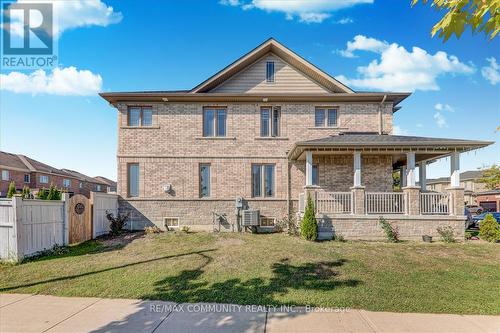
(425, 148)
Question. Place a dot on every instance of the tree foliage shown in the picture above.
(116, 222)
(12, 190)
(490, 177)
(396, 180)
(481, 15)
(489, 230)
(309, 226)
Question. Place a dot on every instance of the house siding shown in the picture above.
(253, 80)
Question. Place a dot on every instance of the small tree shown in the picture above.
(54, 193)
(489, 229)
(490, 177)
(26, 192)
(42, 194)
(396, 180)
(12, 190)
(309, 226)
(116, 222)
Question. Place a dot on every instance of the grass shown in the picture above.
(271, 269)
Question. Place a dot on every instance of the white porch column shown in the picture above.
(410, 172)
(309, 168)
(402, 176)
(455, 169)
(422, 175)
(357, 169)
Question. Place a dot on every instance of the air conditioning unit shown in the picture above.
(250, 218)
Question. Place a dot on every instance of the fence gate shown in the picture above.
(80, 225)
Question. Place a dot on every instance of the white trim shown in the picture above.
(455, 169)
(171, 218)
(357, 169)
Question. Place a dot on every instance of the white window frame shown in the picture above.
(270, 77)
(5, 175)
(98, 188)
(43, 177)
(272, 131)
(66, 182)
(326, 116)
(171, 218)
(263, 180)
(80, 185)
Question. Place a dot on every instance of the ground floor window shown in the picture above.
(66, 182)
(171, 222)
(204, 180)
(5, 175)
(315, 175)
(133, 180)
(44, 179)
(263, 180)
(27, 178)
(267, 221)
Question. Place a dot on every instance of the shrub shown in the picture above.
(116, 222)
(446, 233)
(468, 235)
(391, 232)
(152, 230)
(185, 228)
(54, 193)
(288, 223)
(12, 190)
(489, 230)
(309, 226)
(26, 194)
(339, 238)
(42, 194)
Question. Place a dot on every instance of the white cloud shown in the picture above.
(444, 107)
(71, 14)
(363, 43)
(398, 130)
(399, 69)
(345, 20)
(491, 72)
(308, 11)
(61, 81)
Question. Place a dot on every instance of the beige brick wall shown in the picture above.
(171, 150)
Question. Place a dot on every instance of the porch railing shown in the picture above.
(334, 202)
(435, 203)
(385, 203)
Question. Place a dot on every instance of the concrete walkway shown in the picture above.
(37, 313)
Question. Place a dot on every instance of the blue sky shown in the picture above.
(162, 45)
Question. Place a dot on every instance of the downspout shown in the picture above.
(289, 210)
(380, 123)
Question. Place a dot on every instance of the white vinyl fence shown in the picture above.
(102, 202)
(385, 203)
(30, 226)
(435, 203)
(333, 202)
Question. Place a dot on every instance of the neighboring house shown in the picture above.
(489, 200)
(272, 128)
(468, 180)
(25, 171)
(111, 185)
(87, 184)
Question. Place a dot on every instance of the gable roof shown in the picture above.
(466, 175)
(83, 177)
(12, 161)
(273, 46)
(107, 181)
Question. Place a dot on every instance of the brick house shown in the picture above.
(468, 180)
(111, 184)
(25, 171)
(272, 128)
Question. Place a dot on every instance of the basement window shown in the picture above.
(267, 221)
(171, 222)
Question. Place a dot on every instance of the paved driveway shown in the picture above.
(38, 313)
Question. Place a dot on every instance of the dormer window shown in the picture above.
(270, 71)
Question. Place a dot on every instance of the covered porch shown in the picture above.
(362, 192)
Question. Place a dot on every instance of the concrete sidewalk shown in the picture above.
(37, 313)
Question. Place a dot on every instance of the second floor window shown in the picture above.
(270, 119)
(66, 182)
(44, 179)
(214, 122)
(5, 175)
(270, 71)
(325, 117)
(262, 180)
(204, 180)
(140, 116)
(133, 180)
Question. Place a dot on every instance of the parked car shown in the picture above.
(478, 218)
(475, 209)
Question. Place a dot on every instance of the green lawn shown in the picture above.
(272, 269)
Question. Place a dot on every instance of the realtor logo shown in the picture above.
(27, 36)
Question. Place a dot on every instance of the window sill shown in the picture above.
(140, 127)
(215, 138)
(270, 138)
(328, 128)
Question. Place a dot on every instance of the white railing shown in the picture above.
(302, 202)
(334, 202)
(385, 203)
(435, 203)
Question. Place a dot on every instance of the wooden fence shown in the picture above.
(30, 226)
